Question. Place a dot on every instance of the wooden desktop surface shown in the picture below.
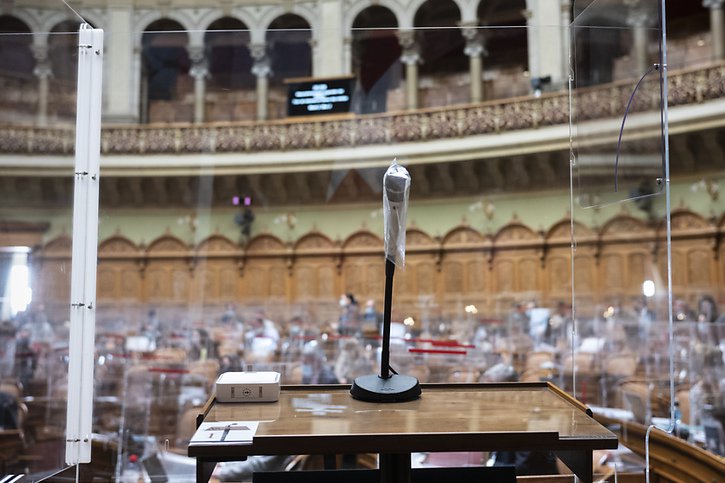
(465, 417)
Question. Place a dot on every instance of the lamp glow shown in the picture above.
(648, 288)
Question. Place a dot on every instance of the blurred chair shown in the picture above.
(463, 374)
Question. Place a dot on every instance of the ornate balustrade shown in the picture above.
(685, 87)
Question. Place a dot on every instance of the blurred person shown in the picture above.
(349, 322)
(26, 359)
(352, 362)
(371, 318)
(201, 345)
(262, 339)
(151, 329)
(707, 310)
(518, 320)
(7, 349)
(557, 324)
(681, 311)
(315, 369)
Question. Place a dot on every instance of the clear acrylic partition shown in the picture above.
(232, 233)
(619, 360)
(617, 156)
(37, 113)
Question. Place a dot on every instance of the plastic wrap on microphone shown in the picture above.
(396, 187)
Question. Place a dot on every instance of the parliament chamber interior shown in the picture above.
(564, 222)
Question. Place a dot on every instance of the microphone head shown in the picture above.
(395, 183)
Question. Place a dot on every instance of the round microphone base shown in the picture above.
(396, 388)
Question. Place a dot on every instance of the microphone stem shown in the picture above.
(385, 356)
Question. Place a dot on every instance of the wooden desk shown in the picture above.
(447, 417)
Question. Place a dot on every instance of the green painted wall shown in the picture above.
(537, 210)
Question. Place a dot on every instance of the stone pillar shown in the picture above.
(639, 20)
(43, 72)
(199, 71)
(716, 27)
(411, 58)
(546, 48)
(475, 51)
(121, 75)
(565, 37)
(262, 69)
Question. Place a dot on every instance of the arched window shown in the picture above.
(16, 57)
(63, 53)
(288, 45)
(441, 46)
(441, 41)
(689, 40)
(506, 41)
(375, 53)
(166, 63)
(227, 50)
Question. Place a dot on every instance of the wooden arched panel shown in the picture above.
(612, 273)
(528, 275)
(453, 276)
(504, 275)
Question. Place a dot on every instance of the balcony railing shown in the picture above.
(685, 87)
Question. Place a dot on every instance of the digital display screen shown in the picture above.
(321, 96)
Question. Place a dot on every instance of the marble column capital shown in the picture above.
(713, 4)
(43, 70)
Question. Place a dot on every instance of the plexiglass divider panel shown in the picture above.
(236, 235)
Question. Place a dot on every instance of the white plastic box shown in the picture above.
(260, 386)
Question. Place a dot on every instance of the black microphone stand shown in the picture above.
(386, 387)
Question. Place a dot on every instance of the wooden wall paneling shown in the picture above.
(517, 264)
(51, 267)
(265, 273)
(216, 277)
(168, 273)
(363, 271)
(464, 274)
(626, 252)
(693, 267)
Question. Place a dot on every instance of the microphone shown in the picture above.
(389, 387)
(396, 184)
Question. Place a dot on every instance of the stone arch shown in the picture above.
(288, 47)
(151, 16)
(16, 55)
(227, 44)
(352, 14)
(34, 23)
(272, 14)
(375, 57)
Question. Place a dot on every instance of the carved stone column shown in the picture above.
(262, 69)
(475, 51)
(199, 71)
(717, 29)
(411, 58)
(43, 72)
(639, 20)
